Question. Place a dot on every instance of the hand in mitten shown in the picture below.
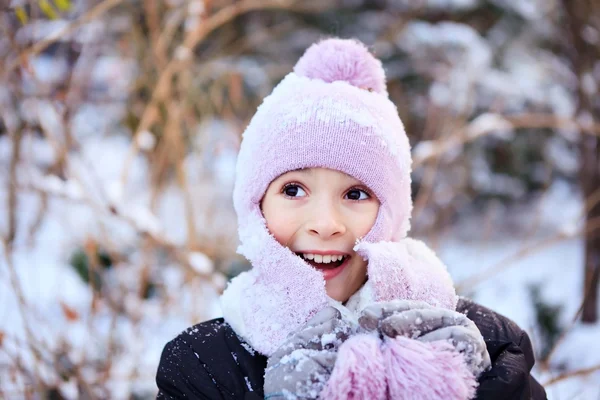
(301, 367)
(420, 321)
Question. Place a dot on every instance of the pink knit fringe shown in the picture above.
(361, 371)
(399, 369)
(426, 371)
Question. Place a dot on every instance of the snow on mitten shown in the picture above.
(300, 368)
(430, 324)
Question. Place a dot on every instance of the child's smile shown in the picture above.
(331, 263)
(319, 214)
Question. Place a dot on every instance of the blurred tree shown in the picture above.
(583, 29)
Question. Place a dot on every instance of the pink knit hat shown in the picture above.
(332, 112)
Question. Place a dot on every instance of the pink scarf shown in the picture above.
(281, 292)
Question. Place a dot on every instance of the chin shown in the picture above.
(337, 293)
(343, 286)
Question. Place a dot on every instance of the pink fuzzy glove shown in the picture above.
(420, 321)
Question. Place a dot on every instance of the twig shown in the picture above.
(572, 374)
(192, 39)
(502, 265)
(523, 121)
(37, 48)
(12, 184)
(39, 217)
(21, 305)
(179, 253)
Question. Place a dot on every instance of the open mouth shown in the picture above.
(323, 261)
(330, 265)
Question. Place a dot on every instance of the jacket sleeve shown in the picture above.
(511, 354)
(180, 374)
(510, 376)
(208, 361)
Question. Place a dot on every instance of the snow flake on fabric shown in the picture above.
(257, 303)
(408, 270)
(282, 291)
(324, 106)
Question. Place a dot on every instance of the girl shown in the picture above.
(339, 302)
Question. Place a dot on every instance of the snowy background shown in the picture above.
(119, 128)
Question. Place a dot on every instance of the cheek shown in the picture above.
(282, 226)
(280, 230)
(363, 220)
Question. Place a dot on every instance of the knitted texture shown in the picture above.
(308, 123)
(276, 297)
(282, 292)
(401, 369)
(408, 270)
(332, 112)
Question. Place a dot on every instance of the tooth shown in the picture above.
(334, 258)
(326, 259)
(309, 256)
(318, 258)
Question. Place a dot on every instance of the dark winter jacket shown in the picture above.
(208, 361)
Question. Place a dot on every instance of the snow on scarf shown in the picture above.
(328, 111)
(279, 295)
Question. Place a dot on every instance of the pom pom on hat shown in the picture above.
(343, 60)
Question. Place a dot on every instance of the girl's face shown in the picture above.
(319, 213)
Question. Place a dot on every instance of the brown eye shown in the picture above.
(357, 194)
(293, 190)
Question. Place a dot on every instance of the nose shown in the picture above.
(326, 222)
